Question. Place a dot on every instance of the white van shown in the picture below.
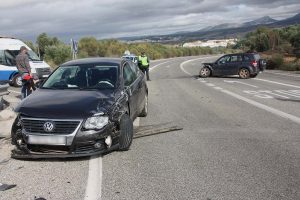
(9, 49)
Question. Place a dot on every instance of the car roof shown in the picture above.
(240, 54)
(116, 61)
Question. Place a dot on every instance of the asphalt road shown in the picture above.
(240, 140)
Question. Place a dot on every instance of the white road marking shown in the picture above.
(168, 66)
(252, 102)
(288, 93)
(272, 93)
(264, 107)
(227, 81)
(188, 61)
(278, 83)
(136, 122)
(292, 75)
(210, 84)
(155, 66)
(218, 88)
(94, 184)
(17, 92)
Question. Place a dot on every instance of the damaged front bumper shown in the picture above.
(83, 143)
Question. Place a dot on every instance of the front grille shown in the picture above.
(60, 127)
(49, 149)
(42, 71)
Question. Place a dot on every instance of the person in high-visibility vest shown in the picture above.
(144, 64)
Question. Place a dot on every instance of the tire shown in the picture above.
(244, 73)
(17, 80)
(126, 133)
(1, 103)
(144, 112)
(253, 75)
(204, 72)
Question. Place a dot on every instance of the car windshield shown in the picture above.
(83, 77)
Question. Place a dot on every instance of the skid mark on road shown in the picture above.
(252, 102)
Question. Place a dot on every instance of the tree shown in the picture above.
(43, 41)
(58, 54)
(89, 45)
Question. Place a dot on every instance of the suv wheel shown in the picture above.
(144, 112)
(205, 72)
(126, 133)
(244, 73)
(17, 80)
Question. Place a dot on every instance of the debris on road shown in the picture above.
(146, 131)
(4, 187)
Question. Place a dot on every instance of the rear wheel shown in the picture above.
(17, 80)
(126, 133)
(144, 112)
(244, 73)
(205, 72)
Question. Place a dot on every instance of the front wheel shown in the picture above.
(244, 73)
(205, 72)
(126, 133)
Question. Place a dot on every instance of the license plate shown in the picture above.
(47, 140)
(45, 76)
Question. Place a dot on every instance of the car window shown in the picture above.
(246, 58)
(128, 75)
(236, 58)
(2, 57)
(256, 56)
(224, 60)
(134, 68)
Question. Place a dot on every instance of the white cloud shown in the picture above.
(114, 18)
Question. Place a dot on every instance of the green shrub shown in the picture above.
(290, 67)
(275, 62)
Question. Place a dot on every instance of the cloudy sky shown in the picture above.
(26, 19)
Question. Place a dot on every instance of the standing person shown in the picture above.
(144, 64)
(22, 63)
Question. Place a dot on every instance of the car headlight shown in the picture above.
(96, 122)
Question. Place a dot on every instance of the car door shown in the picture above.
(132, 89)
(141, 86)
(234, 64)
(221, 66)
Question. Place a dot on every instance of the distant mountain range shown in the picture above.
(221, 31)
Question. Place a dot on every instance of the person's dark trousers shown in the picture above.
(25, 91)
(146, 71)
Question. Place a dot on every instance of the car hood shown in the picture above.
(66, 104)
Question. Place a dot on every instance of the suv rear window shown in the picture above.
(256, 56)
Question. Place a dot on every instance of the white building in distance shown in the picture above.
(211, 43)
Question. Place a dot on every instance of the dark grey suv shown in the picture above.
(245, 65)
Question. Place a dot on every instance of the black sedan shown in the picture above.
(246, 65)
(85, 107)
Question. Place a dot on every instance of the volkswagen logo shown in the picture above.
(49, 126)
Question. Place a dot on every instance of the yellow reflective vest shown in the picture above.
(144, 61)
